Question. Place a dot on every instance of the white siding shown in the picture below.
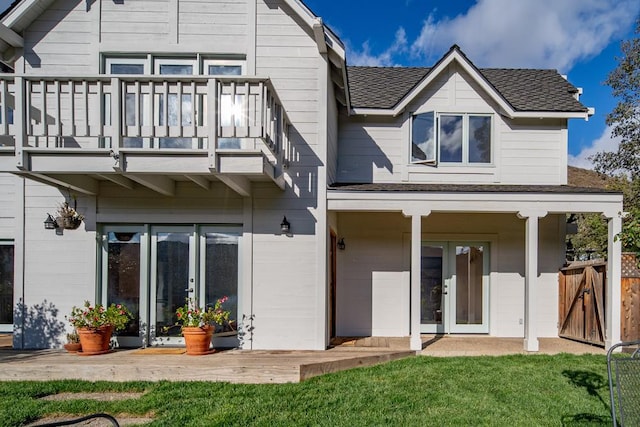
(59, 271)
(60, 41)
(222, 23)
(286, 268)
(8, 205)
(130, 21)
(67, 39)
(171, 26)
(190, 205)
(377, 249)
(369, 150)
(532, 151)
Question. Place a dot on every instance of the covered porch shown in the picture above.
(521, 230)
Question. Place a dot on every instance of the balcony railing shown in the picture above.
(213, 114)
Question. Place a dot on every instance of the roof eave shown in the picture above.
(394, 112)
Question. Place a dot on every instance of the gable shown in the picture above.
(517, 90)
(523, 89)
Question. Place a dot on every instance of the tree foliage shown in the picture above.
(624, 120)
(624, 163)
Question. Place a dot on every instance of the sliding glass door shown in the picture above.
(153, 270)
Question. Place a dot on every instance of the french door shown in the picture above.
(153, 270)
(6, 285)
(454, 287)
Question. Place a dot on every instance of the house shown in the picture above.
(224, 147)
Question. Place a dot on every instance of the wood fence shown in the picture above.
(582, 301)
(630, 299)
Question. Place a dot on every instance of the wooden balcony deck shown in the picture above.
(74, 131)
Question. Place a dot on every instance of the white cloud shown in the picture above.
(604, 143)
(385, 59)
(541, 33)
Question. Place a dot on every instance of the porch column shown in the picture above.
(416, 273)
(531, 278)
(614, 273)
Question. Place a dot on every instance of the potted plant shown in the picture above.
(198, 324)
(96, 323)
(73, 342)
(68, 217)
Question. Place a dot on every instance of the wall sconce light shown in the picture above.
(50, 223)
(341, 245)
(285, 227)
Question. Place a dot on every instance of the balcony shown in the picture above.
(151, 130)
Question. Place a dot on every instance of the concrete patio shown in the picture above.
(482, 345)
(258, 366)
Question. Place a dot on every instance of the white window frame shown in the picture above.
(465, 139)
(428, 161)
(130, 60)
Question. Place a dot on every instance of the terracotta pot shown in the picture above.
(73, 347)
(198, 339)
(95, 341)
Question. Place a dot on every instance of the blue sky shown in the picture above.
(579, 38)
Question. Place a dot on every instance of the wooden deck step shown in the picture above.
(391, 343)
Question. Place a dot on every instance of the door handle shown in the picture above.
(189, 290)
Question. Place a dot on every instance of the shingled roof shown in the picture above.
(524, 89)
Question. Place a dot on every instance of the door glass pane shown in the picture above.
(123, 276)
(469, 271)
(479, 139)
(450, 138)
(172, 280)
(6, 284)
(221, 273)
(431, 285)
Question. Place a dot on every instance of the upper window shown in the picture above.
(451, 138)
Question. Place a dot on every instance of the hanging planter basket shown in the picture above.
(68, 223)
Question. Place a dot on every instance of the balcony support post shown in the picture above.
(116, 123)
(20, 123)
(212, 120)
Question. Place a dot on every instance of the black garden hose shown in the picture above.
(113, 421)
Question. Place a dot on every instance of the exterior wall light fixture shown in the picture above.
(50, 223)
(285, 227)
(341, 245)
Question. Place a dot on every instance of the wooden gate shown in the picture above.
(582, 302)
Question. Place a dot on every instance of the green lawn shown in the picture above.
(421, 391)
